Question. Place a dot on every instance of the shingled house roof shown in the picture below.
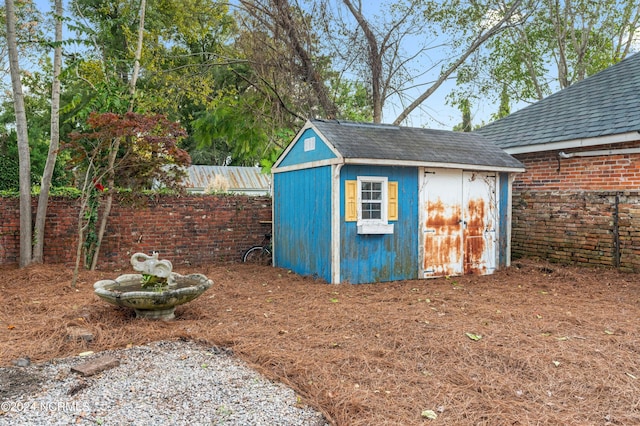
(366, 142)
(603, 105)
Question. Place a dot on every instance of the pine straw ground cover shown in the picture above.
(553, 345)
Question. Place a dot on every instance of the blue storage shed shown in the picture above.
(361, 203)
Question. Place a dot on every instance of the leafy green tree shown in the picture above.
(465, 109)
(232, 134)
(9, 164)
(550, 45)
(504, 107)
(281, 43)
(352, 100)
(29, 33)
(97, 78)
(287, 76)
(470, 25)
(187, 72)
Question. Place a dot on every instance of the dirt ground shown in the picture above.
(534, 344)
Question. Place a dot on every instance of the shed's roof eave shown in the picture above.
(576, 143)
(307, 165)
(396, 163)
(416, 163)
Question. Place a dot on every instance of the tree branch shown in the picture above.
(452, 68)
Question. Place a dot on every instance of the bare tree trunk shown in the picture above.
(23, 137)
(43, 200)
(81, 225)
(136, 63)
(114, 152)
(375, 61)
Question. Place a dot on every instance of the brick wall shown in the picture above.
(194, 230)
(580, 210)
(545, 171)
(587, 228)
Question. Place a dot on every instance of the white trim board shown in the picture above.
(575, 143)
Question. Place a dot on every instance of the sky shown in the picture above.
(434, 112)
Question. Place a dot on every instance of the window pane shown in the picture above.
(371, 211)
(371, 191)
(371, 200)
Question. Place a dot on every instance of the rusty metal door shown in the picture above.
(441, 222)
(479, 222)
(458, 224)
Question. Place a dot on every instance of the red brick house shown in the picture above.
(579, 200)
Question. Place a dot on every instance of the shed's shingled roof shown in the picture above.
(607, 103)
(387, 142)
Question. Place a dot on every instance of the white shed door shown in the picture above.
(479, 222)
(457, 222)
(441, 222)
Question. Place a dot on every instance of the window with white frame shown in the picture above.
(373, 205)
(371, 202)
(372, 199)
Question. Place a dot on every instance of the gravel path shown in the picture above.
(164, 383)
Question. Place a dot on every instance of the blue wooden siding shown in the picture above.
(503, 219)
(297, 154)
(376, 258)
(302, 221)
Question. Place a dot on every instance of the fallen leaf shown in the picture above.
(11, 327)
(608, 332)
(429, 414)
(473, 336)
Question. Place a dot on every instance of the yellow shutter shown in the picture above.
(392, 194)
(351, 200)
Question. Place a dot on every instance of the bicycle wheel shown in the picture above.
(257, 255)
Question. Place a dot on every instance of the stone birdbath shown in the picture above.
(156, 291)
